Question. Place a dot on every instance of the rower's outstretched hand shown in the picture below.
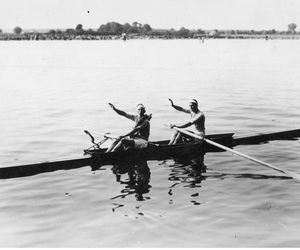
(111, 105)
(172, 103)
(172, 126)
(121, 137)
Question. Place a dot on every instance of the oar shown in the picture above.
(92, 137)
(105, 135)
(293, 175)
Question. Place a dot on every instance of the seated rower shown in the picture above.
(197, 119)
(138, 137)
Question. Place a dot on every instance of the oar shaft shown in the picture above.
(294, 175)
(243, 155)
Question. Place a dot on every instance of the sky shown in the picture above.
(166, 14)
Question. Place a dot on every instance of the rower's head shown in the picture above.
(193, 104)
(141, 110)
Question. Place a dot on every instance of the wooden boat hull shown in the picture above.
(160, 150)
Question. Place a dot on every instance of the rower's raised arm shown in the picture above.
(121, 112)
(178, 107)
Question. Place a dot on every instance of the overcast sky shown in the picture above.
(205, 14)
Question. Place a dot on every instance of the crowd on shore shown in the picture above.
(65, 36)
(116, 31)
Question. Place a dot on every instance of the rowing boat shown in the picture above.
(160, 150)
(157, 150)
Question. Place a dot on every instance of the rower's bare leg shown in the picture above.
(173, 138)
(122, 143)
(112, 146)
(176, 138)
(117, 147)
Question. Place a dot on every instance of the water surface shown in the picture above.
(50, 91)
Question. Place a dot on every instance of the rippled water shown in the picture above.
(52, 91)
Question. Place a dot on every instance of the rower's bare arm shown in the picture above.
(178, 107)
(132, 132)
(129, 134)
(185, 125)
(136, 129)
(121, 112)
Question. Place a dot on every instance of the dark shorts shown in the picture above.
(140, 143)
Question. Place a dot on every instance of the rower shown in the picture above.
(197, 119)
(138, 137)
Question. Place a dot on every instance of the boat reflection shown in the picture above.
(188, 170)
(138, 179)
(136, 175)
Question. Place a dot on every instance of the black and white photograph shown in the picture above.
(150, 123)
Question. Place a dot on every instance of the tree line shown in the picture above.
(136, 28)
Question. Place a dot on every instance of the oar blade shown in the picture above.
(293, 175)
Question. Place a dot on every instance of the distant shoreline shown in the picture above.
(38, 36)
(136, 30)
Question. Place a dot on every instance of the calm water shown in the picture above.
(51, 91)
